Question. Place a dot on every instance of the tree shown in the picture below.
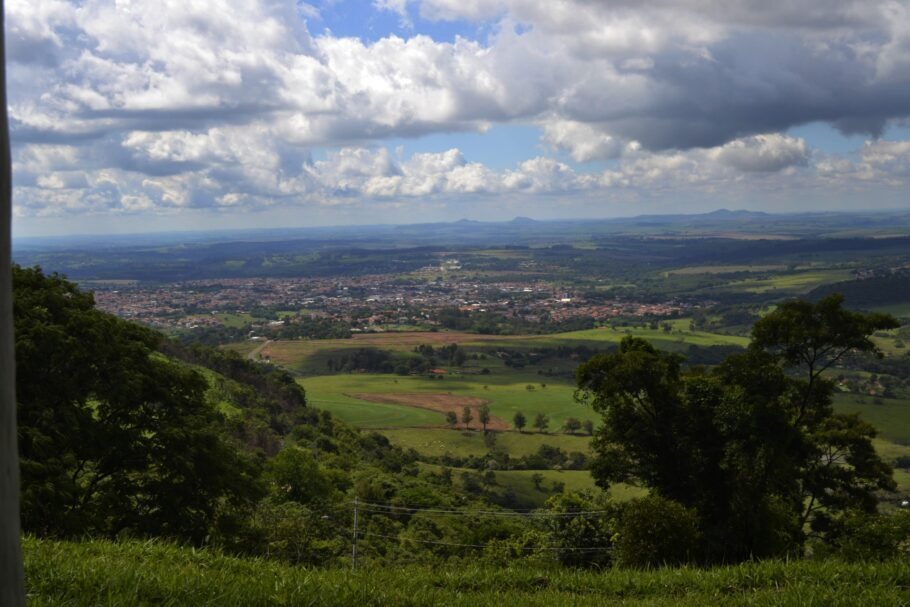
(588, 427)
(113, 436)
(756, 452)
(466, 416)
(541, 422)
(582, 533)
(484, 416)
(297, 477)
(843, 471)
(519, 420)
(537, 479)
(655, 532)
(459, 358)
(451, 419)
(572, 425)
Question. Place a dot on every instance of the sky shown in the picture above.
(135, 116)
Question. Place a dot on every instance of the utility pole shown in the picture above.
(12, 587)
(354, 539)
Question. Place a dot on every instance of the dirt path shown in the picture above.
(254, 355)
(442, 403)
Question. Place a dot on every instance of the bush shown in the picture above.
(654, 531)
(872, 537)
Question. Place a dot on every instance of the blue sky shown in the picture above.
(134, 116)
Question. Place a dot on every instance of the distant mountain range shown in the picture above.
(519, 230)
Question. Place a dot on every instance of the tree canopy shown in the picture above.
(753, 447)
(114, 437)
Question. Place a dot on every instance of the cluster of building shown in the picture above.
(363, 301)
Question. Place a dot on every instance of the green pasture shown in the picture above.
(890, 451)
(283, 314)
(507, 394)
(233, 320)
(521, 483)
(310, 356)
(363, 414)
(438, 442)
(891, 418)
(891, 344)
(680, 335)
(899, 311)
(791, 283)
(902, 478)
(722, 269)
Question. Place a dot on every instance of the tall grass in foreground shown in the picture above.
(96, 572)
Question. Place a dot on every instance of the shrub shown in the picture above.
(872, 537)
(654, 531)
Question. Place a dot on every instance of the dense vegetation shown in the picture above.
(756, 453)
(886, 287)
(126, 434)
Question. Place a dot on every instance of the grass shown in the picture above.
(731, 269)
(234, 321)
(897, 310)
(891, 418)
(507, 393)
(309, 356)
(796, 283)
(521, 482)
(657, 336)
(526, 495)
(363, 414)
(97, 572)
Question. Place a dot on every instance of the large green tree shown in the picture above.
(753, 445)
(113, 436)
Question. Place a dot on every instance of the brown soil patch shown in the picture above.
(436, 402)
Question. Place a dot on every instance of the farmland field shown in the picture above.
(507, 394)
(309, 357)
(409, 409)
(796, 283)
(891, 416)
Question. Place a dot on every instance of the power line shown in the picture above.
(393, 509)
(375, 508)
